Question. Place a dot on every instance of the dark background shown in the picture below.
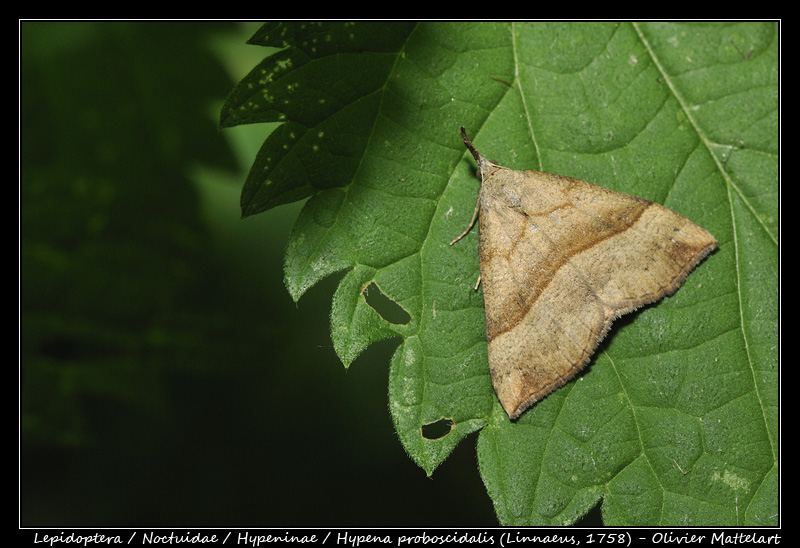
(166, 376)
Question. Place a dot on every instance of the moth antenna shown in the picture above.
(470, 146)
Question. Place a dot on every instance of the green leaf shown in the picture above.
(675, 420)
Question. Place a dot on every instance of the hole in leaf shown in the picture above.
(593, 518)
(437, 430)
(384, 306)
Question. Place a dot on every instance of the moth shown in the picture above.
(560, 260)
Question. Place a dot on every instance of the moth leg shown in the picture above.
(478, 283)
(472, 222)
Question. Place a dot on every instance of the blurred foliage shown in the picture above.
(111, 240)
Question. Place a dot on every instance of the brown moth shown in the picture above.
(560, 259)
